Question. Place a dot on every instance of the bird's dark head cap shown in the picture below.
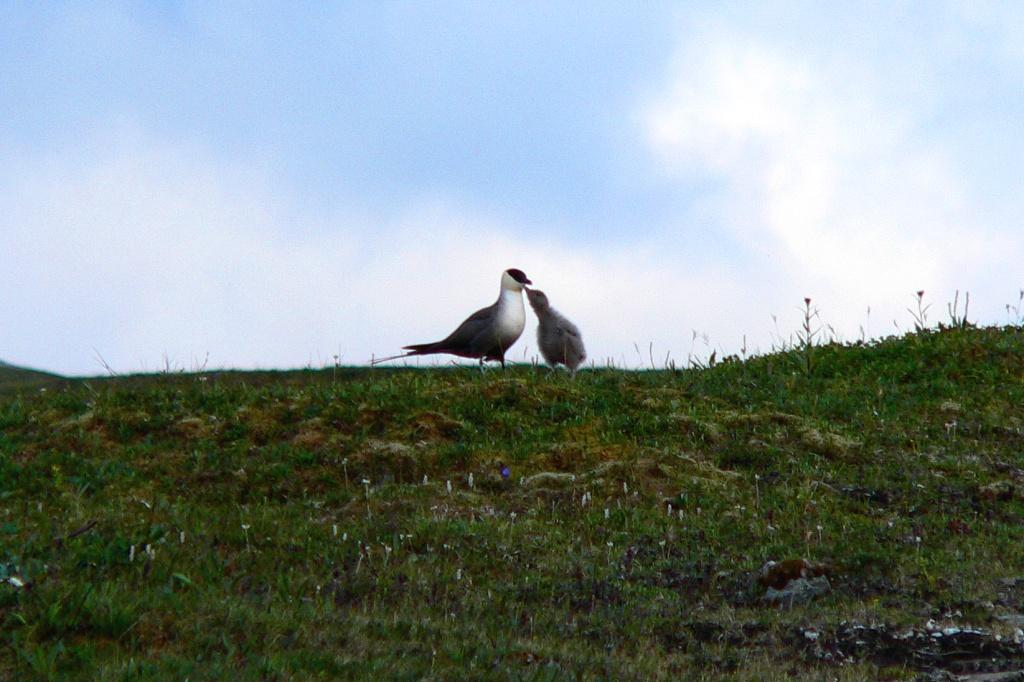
(518, 275)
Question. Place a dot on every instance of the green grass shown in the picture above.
(299, 524)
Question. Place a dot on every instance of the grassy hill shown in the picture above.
(356, 523)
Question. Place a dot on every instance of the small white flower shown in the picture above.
(181, 537)
(334, 529)
(16, 581)
(471, 479)
(448, 484)
(606, 513)
(131, 553)
(424, 479)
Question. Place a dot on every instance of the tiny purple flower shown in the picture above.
(505, 473)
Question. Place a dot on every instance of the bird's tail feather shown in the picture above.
(416, 349)
(377, 361)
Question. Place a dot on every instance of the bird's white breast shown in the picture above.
(511, 318)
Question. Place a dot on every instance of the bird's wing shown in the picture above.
(466, 335)
(577, 343)
(573, 341)
(567, 327)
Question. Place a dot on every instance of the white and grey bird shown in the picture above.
(559, 339)
(486, 334)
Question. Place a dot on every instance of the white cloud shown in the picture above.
(137, 249)
(843, 191)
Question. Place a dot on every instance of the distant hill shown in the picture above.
(13, 377)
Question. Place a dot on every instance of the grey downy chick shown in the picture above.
(487, 333)
(559, 339)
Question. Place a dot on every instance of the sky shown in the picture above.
(193, 185)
